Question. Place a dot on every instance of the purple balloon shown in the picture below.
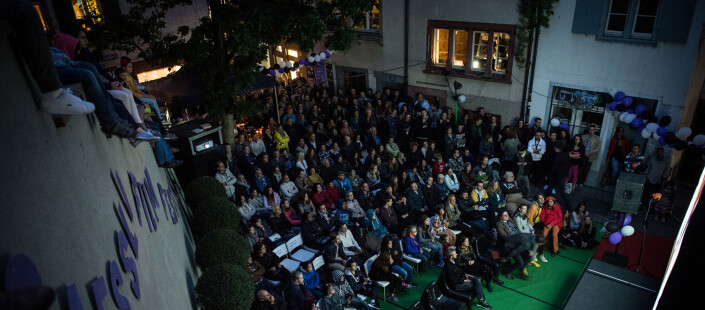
(613, 106)
(281, 70)
(625, 219)
(293, 69)
(301, 61)
(306, 63)
(615, 237)
(272, 72)
(637, 122)
(661, 131)
(564, 126)
(662, 141)
(641, 128)
(327, 53)
(627, 101)
(640, 109)
(619, 96)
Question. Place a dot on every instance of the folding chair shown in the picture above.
(382, 284)
(301, 255)
(289, 264)
(410, 258)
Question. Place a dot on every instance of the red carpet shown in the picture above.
(657, 250)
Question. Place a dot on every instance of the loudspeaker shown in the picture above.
(627, 193)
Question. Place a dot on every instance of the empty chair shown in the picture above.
(300, 255)
(289, 264)
(432, 298)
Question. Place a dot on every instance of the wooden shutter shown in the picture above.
(674, 23)
(587, 16)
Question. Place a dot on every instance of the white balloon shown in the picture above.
(655, 136)
(629, 118)
(317, 58)
(461, 98)
(627, 230)
(555, 122)
(311, 59)
(279, 74)
(699, 140)
(622, 115)
(652, 127)
(645, 133)
(684, 133)
(282, 64)
(323, 55)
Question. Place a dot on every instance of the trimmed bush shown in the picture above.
(225, 287)
(222, 246)
(214, 213)
(202, 188)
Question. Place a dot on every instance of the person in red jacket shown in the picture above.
(552, 219)
(619, 148)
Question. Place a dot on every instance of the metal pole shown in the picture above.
(276, 99)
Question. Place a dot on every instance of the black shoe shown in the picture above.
(497, 280)
(482, 304)
(413, 284)
(554, 254)
(172, 163)
(562, 247)
(523, 276)
(508, 276)
(488, 285)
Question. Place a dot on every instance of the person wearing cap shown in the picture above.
(552, 218)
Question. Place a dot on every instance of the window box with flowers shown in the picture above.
(471, 50)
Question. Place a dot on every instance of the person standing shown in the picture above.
(657, 172)
(592, 144)
(619, 148)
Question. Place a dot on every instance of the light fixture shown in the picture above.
(475, 64)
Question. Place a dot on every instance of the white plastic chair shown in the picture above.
(410, 258)
(289, 264)
(382, 284)
(301, 255)
(318, 262)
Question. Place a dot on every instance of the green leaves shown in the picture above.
(534, 13)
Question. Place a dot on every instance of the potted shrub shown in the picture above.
(222, 246)
(213, 213)
(225, 287)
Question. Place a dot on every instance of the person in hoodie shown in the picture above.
(312, 281)
(346, 293)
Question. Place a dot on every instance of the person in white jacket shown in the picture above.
(536, 147)
(225, 177)
(451, 180)
(287, 188)
(257, 145)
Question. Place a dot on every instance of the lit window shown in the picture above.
(156, 74)
(460, 48)
(279, 48)
(38, 7)
(292, 53)
(371, 20)
(278, 59)
(86, 9)
(479, 50)
(500, 52)
(440, 47)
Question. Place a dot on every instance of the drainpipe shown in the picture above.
(406, 46)
(529, 63)
(533, 59)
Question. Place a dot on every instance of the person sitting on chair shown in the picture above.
(461, 281)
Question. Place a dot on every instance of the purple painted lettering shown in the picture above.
(135, 194)
(121, 192)
(73, 299)
(115, 282)
(99, 292)
(128, 264)
(131, 238)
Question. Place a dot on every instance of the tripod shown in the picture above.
(643, 238)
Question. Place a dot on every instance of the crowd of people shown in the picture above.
(373, 176)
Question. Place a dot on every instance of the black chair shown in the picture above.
(433, 298)
(465, 296)
(417, 306)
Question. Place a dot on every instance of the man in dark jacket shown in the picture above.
(460, 281)
(294, 292)
(334, 254)
(557, 174)
(432, 195)
(415, 199)
(266, 301)
(324, 220)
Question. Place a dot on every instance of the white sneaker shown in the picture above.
(543, 259)
(61, 102)
(146, 136)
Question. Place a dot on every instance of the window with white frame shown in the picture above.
(471, 50)
(440, 47)
(371, 20)
(632, 19)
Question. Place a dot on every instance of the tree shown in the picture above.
(228, 45)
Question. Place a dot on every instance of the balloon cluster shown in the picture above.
(652, 127)
(557, 123)
(289, 66)
(620, 229)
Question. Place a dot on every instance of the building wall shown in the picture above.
(660, 72)
(497, 98)
(58, 206)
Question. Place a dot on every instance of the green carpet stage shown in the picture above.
(547, 288)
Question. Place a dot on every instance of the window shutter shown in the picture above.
(675, 19)
(587, 16)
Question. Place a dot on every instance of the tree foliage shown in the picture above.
(534, 15)
(228, 45)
